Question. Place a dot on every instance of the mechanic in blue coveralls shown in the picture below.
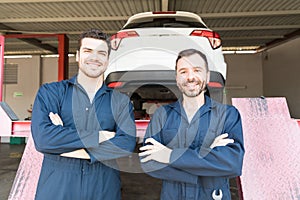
(81, 126)
(195, 144)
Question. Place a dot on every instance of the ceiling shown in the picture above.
(242, 24)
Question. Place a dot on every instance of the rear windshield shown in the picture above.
(165, 22)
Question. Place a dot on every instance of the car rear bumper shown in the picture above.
(158, 84)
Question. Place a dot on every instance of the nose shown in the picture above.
(93, 56)
(190, 76)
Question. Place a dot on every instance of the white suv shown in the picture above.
(142, 60)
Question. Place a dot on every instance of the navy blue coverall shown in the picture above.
(196, 170)
(64, 178)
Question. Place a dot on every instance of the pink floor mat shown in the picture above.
(271, 169)
(25, 183)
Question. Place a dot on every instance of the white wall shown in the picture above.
(49, 70)
(274, 73)
(28, 84)
(244, 76)
(281, 74)
(32, 72)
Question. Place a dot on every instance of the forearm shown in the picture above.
(57, 139)
(117, 147)
(167, 172)
(220, 161)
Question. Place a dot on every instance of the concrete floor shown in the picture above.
(134, 185)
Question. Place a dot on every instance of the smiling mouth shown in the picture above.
(192, 84)
(93, 63)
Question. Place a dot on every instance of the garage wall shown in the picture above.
(271, 74)
(29, 81)
(49, 70)
(281, 74)
(244, 76)
(28, 84)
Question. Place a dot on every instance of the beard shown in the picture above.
(200, 86)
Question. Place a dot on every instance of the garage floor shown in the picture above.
(135, 185)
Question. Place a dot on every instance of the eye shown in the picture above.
(102, 53)
(87, 50)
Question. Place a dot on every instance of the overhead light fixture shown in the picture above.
(55, 55)
(240, 50)
(18, 56)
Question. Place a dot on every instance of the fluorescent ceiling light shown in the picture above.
(19, 56)
(55, 55)
(240, 52)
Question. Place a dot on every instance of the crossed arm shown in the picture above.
(223, 157)
(160, 153)
(80, 153)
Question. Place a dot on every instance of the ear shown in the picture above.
(77, 56)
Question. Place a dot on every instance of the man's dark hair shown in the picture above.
(189, 52)
(96, 34)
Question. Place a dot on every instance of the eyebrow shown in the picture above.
(193, 67)
(102, 51)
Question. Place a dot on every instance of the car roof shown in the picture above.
(180, 15)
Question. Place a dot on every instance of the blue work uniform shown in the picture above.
(64, 178)
(195, 170)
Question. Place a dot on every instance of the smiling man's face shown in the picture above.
(191, 75)
(92, 57)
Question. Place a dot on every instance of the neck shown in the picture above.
(192, 104)
(90, 84)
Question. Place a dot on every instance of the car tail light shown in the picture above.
(213, 37)
(215, 85)
(115, 84)
(116, 39)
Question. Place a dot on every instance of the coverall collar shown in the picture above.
(206, 107)
(104, 89)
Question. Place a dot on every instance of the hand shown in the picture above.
(55, 119)
(155, 151)
(221, 140)
(105, 135)
(80, 153)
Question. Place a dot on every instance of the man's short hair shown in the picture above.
(96, 34)
(189, 52)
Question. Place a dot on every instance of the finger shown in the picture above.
(224, 142)
(146, 153)
(227, 141)
(146, 159)
(222, 136)
(108, 133)
(153, 141)
(57, 119)
(53, 119)
(147, 147)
